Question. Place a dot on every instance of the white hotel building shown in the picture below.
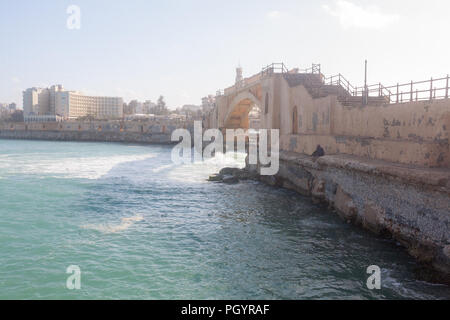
(56, 104)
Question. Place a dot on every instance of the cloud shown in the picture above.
(274, 15)
(351, 15)
(15, 80)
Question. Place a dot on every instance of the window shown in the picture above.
(266, 109)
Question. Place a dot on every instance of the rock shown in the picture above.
(447, 251)
(345, 206)
(272, 181)
(245, 175)
(230, 180)
(240, 174)
(373, 218)
(229, 171)
(215, 178)
(318, 190)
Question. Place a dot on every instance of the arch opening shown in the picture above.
(244, 112)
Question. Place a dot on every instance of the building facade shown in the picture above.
(41, 105)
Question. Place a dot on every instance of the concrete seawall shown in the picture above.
(106, 136)
(410, 205)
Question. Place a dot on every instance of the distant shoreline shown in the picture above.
(86, 136)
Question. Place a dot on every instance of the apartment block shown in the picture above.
(41, 105)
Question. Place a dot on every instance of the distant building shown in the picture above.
(134, 107)
(55, 103)
(148, 107)
(208, 103)
(190, 108)
(139, 108)
(6, 110)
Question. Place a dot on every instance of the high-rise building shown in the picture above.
(55, 103)
(148, 107)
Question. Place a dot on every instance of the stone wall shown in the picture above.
(162, 138)
(140, 132)
(414, 133)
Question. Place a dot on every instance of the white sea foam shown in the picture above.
(84, 168)
(159, 169)
(125, 223)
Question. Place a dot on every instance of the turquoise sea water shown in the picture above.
(141, 228)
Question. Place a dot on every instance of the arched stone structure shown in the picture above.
(239, 108)
(330, 116)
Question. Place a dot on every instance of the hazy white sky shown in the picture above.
(139, 49)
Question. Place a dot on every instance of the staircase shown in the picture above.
(318, 87)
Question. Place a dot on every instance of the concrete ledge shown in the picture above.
(434, 177)
(426, 153)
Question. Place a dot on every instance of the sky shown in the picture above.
(187, 49)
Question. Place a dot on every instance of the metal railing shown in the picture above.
(427, 90)
(433, 89)
(280, 67)
(340, 80)
(277, 67)
(401, 93)
(315, 69)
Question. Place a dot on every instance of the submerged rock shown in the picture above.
(232, 175)
(229, 171)
(215, 178)
(230, 180)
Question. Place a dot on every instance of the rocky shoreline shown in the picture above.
(407, 205)
(233, 176)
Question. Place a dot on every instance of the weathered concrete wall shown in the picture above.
(160, 138)
(423, 153)
(98, 126)
(145, 132)
(415, 133)
(411, 205)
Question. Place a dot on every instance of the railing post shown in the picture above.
(397, 92)
(411, 91)
(417, 95)
(446, 89)
(431, 89)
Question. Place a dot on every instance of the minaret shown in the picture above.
(239, 78)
